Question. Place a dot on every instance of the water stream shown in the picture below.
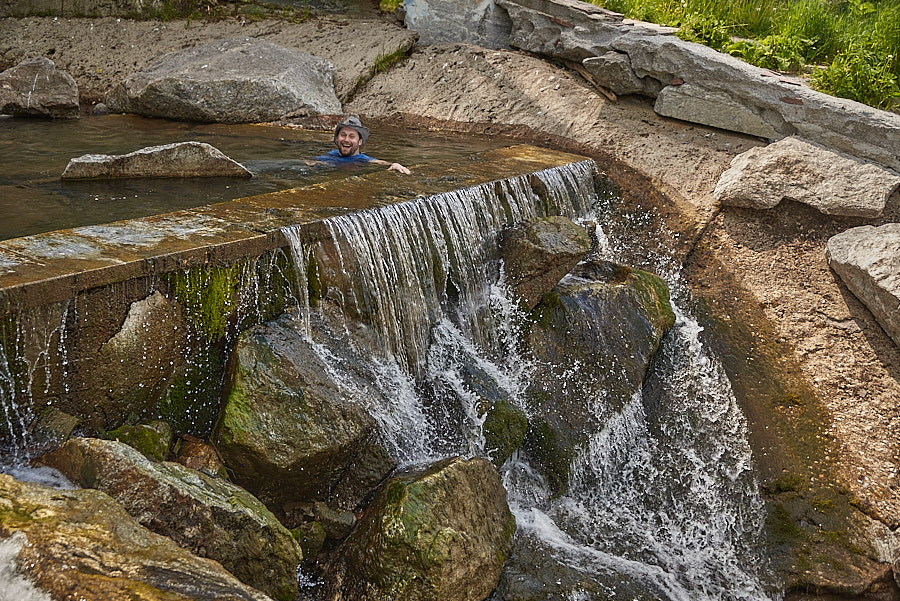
(662, 501)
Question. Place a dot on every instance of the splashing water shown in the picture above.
(662, 502)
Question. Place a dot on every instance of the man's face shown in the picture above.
(348, 142)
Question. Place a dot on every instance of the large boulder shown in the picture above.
(287, 432)
(205, 515)
(593, 338)
(81, 544)
(36, 88)
(868, 260)
(475, 22)
(538, 253)
(232, 81)
(181, 159)
(439, 533)
(695, 83)
(794, 169)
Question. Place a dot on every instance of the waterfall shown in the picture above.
(662, 501)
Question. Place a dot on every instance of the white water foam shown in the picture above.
(13, 585)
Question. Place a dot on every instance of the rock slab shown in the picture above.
(798, 170)
(36, 88)
(475, 22)
(208, 516)
(182, 159)
(442, 532)
(230, 81)
(538, 253)
(81, 544)
(868, 260)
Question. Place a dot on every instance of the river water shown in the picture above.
(34, 152)
(662, 501)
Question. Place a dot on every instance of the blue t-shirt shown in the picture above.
(335, 157)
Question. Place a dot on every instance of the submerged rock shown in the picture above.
(81, 544)
(593, 337)
(287, 432)
(36, 88)
(868, 260)
(208, 516)
(538, 253)
(439, 533)
(794, 169)
(182, 159)
(232, 81)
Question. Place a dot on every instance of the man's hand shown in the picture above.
(399, 168)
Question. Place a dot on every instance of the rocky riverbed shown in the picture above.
(821, 338)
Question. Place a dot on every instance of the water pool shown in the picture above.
(33, 154)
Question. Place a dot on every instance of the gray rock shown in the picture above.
(442, 532)
(868, 260)
(773, 106)
(231, 81)
(593, 337)
(287, 433)
(613, 70)
(538, 253)
(182, 159)
(794, 169)
(36, 88)
(208, 516)
(468, 21)
(52, 428)
(81, 544)
(715, 108)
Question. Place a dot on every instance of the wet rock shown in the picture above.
(232, 81)
(868, 260)
(52, 428)
(198, 455)
(287, 433)
(208, 516)
(152, 439)
(483, 24)
(182, 159)
(538, 253)
(797, 170)
(100, 110)
(371, 465)
(36, 88)
(82, 544)
(442, 532)
(594, 335)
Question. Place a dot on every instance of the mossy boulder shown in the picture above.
(593, 338)
(153, 439)
(208, 516)
(287, 432)
(81, 544)
(437, 533)
(504, 431)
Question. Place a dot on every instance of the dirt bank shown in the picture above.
(777, 256)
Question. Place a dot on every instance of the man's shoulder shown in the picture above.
(335, 156)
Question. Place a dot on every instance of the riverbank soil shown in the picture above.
(838, 373)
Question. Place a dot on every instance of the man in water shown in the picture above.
(349, 136)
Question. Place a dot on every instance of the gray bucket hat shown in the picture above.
(354, 124)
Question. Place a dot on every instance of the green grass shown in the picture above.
(849, 48)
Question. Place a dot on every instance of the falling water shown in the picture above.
(662, 501)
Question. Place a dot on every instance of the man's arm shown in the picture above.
(393, 166)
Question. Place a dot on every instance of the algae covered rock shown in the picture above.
(207, 516)
(287, 432)
(153, 439)
(440, 533)
(593, 338)
(81, 544)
